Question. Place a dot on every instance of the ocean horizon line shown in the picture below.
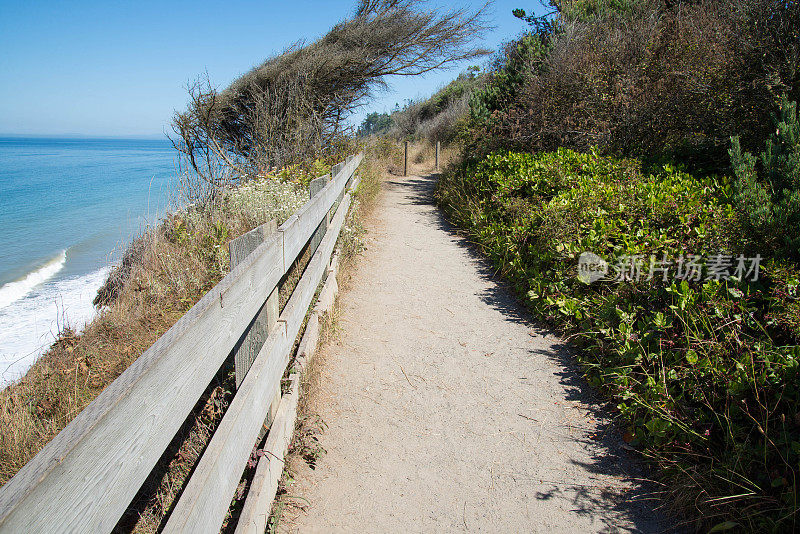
(88, 137)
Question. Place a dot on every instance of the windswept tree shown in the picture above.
(294, 104)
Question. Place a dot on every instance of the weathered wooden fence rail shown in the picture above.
(86, 477)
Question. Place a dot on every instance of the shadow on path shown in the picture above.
(609, 454)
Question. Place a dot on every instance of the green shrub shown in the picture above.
(585, 10)
(657, 80)
(703, 373)
(769, 204)
(515, 62)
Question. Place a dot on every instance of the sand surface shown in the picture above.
(447, 410)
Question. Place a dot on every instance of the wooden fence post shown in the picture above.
(252, 341)
(405, 161)
(438, 148)
(317, 185)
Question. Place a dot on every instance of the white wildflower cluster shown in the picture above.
(266, 199)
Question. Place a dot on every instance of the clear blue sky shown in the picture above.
(121, 68)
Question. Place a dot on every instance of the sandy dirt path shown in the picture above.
(446, 410)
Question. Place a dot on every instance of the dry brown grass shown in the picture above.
(422, 157)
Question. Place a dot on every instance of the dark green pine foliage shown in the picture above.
(768, 195)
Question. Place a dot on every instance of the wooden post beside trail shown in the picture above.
(317, 185)
(405, 161)
(438, 148)
(247, 350)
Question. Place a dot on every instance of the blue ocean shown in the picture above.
(67, 209)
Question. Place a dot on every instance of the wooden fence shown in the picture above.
(86, 477)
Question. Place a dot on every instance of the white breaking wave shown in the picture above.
(29, 325)
(14, 291)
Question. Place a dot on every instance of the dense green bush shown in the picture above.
(658, 80)
(770, 204)
(515, 62)
(703, 370)
(590, 9)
